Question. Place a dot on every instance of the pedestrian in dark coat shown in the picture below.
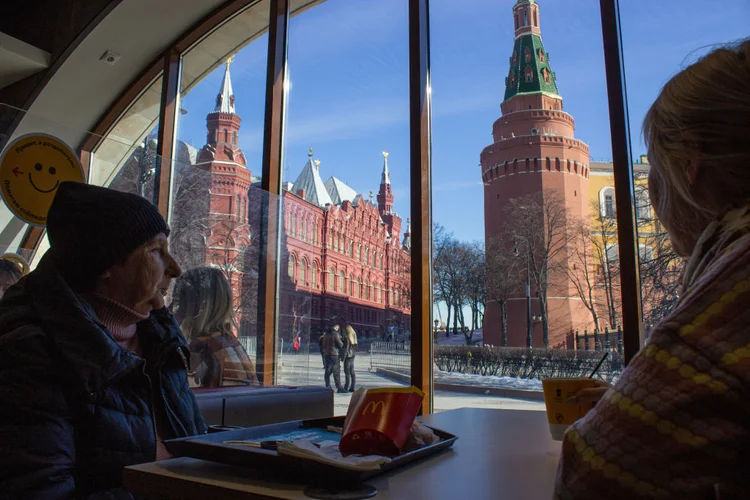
(92, 365)
(330, 343)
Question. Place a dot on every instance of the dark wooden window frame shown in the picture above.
(168, 66)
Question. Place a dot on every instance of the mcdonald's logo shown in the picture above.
(373, 406)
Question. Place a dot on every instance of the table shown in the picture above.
(500, 454)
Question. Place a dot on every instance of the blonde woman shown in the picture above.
(348, 353)
(203, 307)
(675, 425)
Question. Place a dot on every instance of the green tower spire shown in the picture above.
(530, 70)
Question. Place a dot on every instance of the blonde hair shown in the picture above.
(701, 116)
(203, 302)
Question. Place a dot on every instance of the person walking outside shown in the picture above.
(348, 354)
(330, 343)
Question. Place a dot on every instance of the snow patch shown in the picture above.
(493, 381)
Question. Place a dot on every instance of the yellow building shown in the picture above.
(659, 265)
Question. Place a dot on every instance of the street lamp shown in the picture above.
(529, 320)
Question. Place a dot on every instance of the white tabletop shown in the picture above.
(499, 454)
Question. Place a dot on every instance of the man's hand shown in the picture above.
(589, 395)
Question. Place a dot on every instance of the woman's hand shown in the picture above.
(589, 395)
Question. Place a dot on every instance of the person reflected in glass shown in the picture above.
(204, 307)
(675, 423)
(92, 364)
(330, 344)
(11, 271)
(348, 353)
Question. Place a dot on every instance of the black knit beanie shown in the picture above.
(91, 228)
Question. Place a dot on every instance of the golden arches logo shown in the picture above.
(373, 407)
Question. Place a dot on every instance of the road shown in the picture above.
(307, 369)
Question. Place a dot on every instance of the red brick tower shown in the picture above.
(228, 229)
(534, 152)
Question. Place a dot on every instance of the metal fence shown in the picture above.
(599, 341)
(391, 356)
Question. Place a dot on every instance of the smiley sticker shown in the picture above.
(31, 169)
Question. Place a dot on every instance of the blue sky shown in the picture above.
(348, 65)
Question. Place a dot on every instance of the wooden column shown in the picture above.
(170, 92)
(627, 231)
(421, 206)
(271, 216)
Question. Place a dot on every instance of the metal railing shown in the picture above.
(391, 356)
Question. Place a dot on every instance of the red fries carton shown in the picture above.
(379, 420)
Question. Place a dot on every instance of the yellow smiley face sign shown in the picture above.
(31, 169)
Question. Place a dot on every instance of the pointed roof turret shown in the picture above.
(311, 184)
(530, 71)
(385, 178)
(407, 234)
(225, 99)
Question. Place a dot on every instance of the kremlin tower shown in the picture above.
(534, 152)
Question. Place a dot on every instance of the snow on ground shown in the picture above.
(453, 378)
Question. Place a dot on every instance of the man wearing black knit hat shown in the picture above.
(92, 365)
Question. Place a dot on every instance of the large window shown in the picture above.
(701, 28)
(535, 189)
(346, 160)
(545, 176)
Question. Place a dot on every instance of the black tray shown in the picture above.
(211, 447)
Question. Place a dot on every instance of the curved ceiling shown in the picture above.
(84, 87)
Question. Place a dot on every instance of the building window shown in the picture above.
(607, 202)
(613, 254)
(234, 138)
(342, 284)
(290, 268)
(331, 279)
(303, 272)
(642, 204)
(359, 253)
(541, 55)
(527, 55)
(314, 275)
(545, 75)
(512, 78)
(536, 19)
(525, 17)
(528, 75)
(355, 289)
(351, 248)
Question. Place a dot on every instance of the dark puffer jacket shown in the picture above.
(75, 407)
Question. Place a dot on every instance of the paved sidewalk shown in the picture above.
(304, 369)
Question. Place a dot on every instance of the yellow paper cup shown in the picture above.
(561, 415)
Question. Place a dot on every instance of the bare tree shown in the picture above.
(604, 246)
(503, 274)
(582, 271)
(537, 224)
(442, 241)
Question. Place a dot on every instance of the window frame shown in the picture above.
(168, 67)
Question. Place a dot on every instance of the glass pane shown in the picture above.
(518, 257)
(217, 204)
(125, 159)
(13, 229)
(228, 64)
(346, 190)
(701, 28)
